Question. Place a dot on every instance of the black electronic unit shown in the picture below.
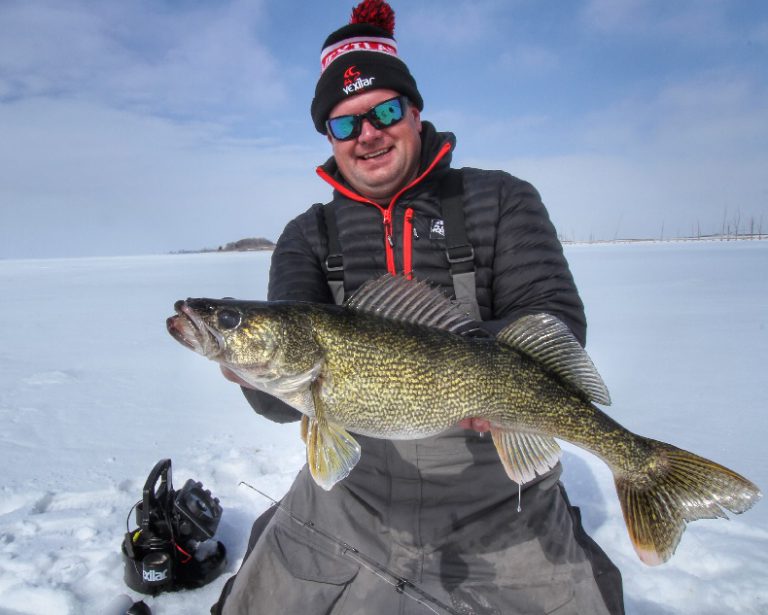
(172, 547)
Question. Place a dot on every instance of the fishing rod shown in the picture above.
(400, 584)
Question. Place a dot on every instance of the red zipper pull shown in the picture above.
(388, 227)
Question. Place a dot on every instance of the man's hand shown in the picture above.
(233, 377)
(480, 425)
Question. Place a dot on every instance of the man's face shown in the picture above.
(378, 163)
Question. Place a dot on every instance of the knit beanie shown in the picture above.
(359, 57)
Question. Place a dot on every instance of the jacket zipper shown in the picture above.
(389, 243)
(408, 244)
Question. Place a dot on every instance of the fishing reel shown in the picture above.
(172, 548)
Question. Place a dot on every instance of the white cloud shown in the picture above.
(710, 115)
(78, 178)
(530, 58)
(447, 25)
(679, 159)
(186, 62)
(610, 196)
(701, 22)
(46, 47)
(609, 15)
(758, 33)
(119, 120)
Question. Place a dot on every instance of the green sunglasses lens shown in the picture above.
(388, 112)
(342, 127)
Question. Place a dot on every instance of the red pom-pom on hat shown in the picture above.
(375, 12)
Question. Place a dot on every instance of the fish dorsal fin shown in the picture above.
(548, 341)
(395, 297)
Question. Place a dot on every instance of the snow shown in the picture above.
(93, 392)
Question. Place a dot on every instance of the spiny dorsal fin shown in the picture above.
(547, 340)
(413, 301)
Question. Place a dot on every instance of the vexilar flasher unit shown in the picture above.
(171, 549)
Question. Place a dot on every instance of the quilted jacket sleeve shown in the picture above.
(530, 272)
(295, 274)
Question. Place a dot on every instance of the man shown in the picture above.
(439, 512)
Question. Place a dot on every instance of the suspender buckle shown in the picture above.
(460, 254)
(334, 262)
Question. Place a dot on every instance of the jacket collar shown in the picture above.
(436, 153)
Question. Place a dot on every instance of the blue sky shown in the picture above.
(149, 126)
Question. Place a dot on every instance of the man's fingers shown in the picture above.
(480, 425)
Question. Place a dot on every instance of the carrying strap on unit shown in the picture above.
(458, 250)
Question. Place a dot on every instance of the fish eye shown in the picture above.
(228, 319)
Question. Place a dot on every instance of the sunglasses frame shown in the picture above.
(370, 116)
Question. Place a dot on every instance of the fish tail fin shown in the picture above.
(678, 487)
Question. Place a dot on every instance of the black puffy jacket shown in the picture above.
(519, 262)
(438, 511)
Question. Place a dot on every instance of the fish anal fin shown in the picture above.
(682, 487)
(524, 455)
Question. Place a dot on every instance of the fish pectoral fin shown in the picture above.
(524, 455)
(331, 452)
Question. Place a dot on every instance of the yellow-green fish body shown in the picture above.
(398, 361)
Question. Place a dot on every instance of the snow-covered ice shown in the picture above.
(93, 392)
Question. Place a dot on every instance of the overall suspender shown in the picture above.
(334, 262)
(458, 250)
(461, 255)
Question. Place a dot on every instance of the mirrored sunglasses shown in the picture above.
(383, 115)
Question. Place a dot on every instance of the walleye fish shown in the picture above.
(399, 361)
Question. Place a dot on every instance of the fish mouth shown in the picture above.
(189, 329)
